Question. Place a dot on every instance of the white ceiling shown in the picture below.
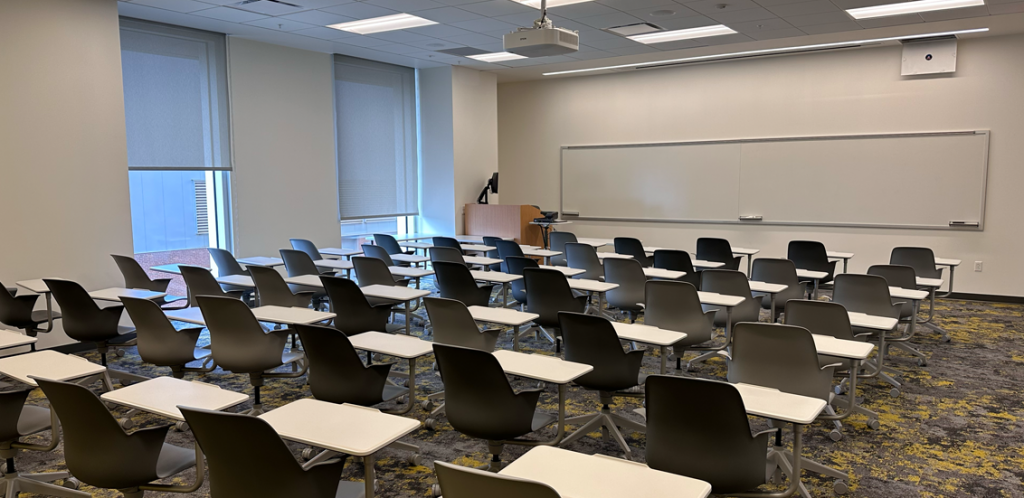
(481, 24)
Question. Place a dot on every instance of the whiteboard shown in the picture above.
(914, 180)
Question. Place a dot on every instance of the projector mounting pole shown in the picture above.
(543, 22)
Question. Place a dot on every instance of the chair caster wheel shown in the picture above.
(840, 488)
(72, 483)
(309, 453)
(119, 353)
(181, 426)
(415, 460)
(430, 424)
(126, 383)
(435, 490)
(873, 423)
(427, 405)
(690, 368)
(835, 435)
(125, 423)
(894, 393)
(541, 385)
(921, 362)
(947, 340)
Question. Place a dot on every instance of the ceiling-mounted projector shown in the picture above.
(543, 39)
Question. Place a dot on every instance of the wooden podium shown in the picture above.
(503, 220)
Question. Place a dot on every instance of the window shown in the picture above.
(375, 109)
(175, 99)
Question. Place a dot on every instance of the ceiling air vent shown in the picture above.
(635, 29)
(462, 51)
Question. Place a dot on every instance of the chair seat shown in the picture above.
(379, 301)
(844, 363)
(403, 282)
(391, 392)
(289, 357)
(33, 419)
(174, 459)
(41, 316)
(393, 327)
(542, 420)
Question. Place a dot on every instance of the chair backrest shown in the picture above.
(493, 242)
(298, 263)
(271, 287)
(556, 242)
(134, 276)
(226, 262)
(479, 401)
(372, 251)
(547, 294)
(632, 247)
(96, 448)
(507, 248)
(354, 313)
(454, 325)
(715, 433)
(16, 311)
(454, 281)
(778, 356)
(516, 265)
(711, 249)
(629, 295)
(82, 318)
(820, 317)
(372, 271)
(809, 255)
(11, 405)
(675, 306)
(441, 253)
(336, 372)
(867, 294)
(896, 275)
(235, 445)
(584, 257)
(778, 271)
(159, 342)
(306, 246)
(200, 282)
(446, 242)
(592, 340)
(921, 259)
(676, 260)
(237, 340)
(388, 242)
(462, 482)
(733, 283)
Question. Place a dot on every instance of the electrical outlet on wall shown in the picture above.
(977, 266)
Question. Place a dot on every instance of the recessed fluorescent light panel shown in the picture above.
(381, 24)
(780, 50)
(634, 29)
(496, 57)
(683, 34)
(895, 9)
(551, 3)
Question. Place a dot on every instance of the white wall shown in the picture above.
(437, 151)
(282, 124)
(63, 159)
(475, 120)
(817, 94)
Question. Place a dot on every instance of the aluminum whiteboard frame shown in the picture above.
(984, 183)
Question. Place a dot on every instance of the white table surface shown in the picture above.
(595, 242)
(588, 285)
(173, 268)
(651, 249)
(815, 275)
(757, 286)
(290, 316)
(116, 293)
(838, 255)
(477, 248)
(334, 264)
(337, 251)
(613, 255)
(540, 253)
(700, 263)
(261, 261)
(410, 272)
(663, 273)
(772, 403)
(716, 299)
(901, 293)
(192, 315)
(409, 258)
(647, 334)
(947, 262)
(12, 339)
(394, 292)
(416, 245)
(481, 260)
(36, 285)
(494, 276)
(501, 316)
(163, 395)
(305, 280)
(541, 367)
(929, 282)
(745, 251)
(413, 236)
(576, 475)
(237, 280)
(831, 346)
(568, 272)
(48, 365)
(871, 321)
(401, 346)
(351, 429)
(476, 239)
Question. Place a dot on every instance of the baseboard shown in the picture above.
(988, 298)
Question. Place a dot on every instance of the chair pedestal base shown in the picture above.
(609, 423)
(40, 484)
(782, 460)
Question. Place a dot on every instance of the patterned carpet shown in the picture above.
(955, 431)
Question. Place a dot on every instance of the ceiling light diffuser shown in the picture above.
(683, 34)
(895, 9)
(381, 24)
(551, 3)
(496, 57)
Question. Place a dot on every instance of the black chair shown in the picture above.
(493, 254)
(507, 249)
(460, 482)
(823, 318)
(516, 266)
(710, 249)
(628, 297)
(448, 254)
(240, 345)
(389, 244)
(237, 445)
(227, 265)
(454, 281)
(18, 420)
(355, 313)
(921, 259)
(592, 340)
(632, 247)
(446, 242)
(375, 271)
(135, 277)
(298, 263)
(869, 294)
(584, 257)
(714, 431)
(200, 282)
(898, 276)
(557, 241)
(274, 291)
(778, 271)
(337, 373)
(16, 311)
(161, 344)
(733, 283)
(811, 255)
(675, 306)
(99, 452)
(676, 260)
(481, 403)
(548, 294)
(372, 251)
(307, 247)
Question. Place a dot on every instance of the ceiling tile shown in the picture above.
(578, 10)
(855, 4)
(812, 19)
(608, 44)
(796, 9)
(359, 10)
(946, 15)
(883, 22)
(174, 5)
(364, 41)
(312, 4)
(1006, 8)
(773, 3)
(712, 7)
(269, 8)
(397, 48)
(405, 5)
(592, 54)
(324, 33)
(473, 40)
(634, 50)
(527, 18)
(687, 22)
(776, 33)
(633, 4)
(280, 24)
(682, 44)
(448, 15)
(213, 2)
(456, 2)
(727, 39)
(837, 27)
(484, 25)
(676, 9)
(609, 20)
(229, 14)
(536, 61)
(493, 8)
(491, 47)
(755, 14)
(399, 36)
(760, 26)
(318, 18)
(439, 31)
